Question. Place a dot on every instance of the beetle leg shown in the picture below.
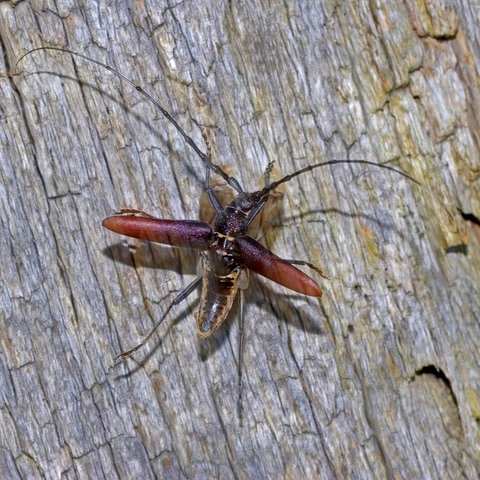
(309, 265)
(133, 211)
(179, 298)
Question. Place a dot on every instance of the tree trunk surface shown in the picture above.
(379, 378)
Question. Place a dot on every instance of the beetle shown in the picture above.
(227, 248)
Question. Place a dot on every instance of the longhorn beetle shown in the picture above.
(227, 248)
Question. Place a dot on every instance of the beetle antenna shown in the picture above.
(232, 181)
(268, 188)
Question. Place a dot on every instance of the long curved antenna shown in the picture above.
(268, 188)
(232, 181)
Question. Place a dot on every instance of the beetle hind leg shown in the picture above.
(178, 299)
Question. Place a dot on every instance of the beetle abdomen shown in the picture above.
(218, 294)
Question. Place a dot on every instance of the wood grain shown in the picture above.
(379, 378)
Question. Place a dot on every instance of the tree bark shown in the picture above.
(377, 379)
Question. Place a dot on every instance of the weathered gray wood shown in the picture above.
(379, 378)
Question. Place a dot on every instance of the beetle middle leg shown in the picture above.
(309, 265)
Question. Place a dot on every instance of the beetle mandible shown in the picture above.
(227, 248)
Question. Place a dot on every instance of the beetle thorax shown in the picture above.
(234, 219)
